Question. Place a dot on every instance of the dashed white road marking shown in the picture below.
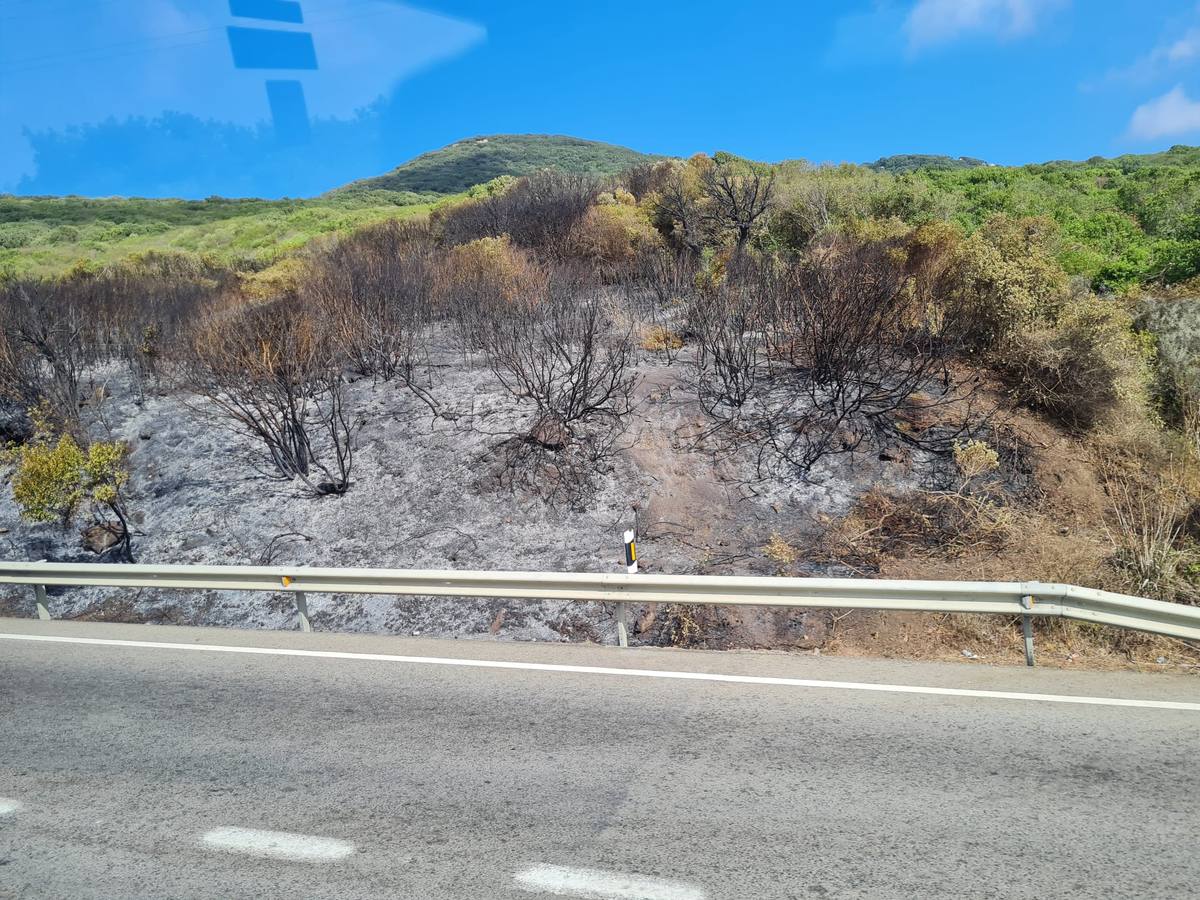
(600, 885)
(277, 844)
(624, 673)
(9, 806)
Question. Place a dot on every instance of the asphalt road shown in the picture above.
(142, 771)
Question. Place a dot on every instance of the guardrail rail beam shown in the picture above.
(1009, 598)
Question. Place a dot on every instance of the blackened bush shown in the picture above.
(373, 291)
(808, 356)
(271, 372)
(46, 341)
(539, 212)
(562, 351)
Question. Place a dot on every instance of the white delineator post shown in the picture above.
(631, 567)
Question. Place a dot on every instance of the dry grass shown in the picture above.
(659, 339)
(681, 626)
(1058, 643)
(945, 524)
(780, 552)
(1112, 512)
(1148, 515)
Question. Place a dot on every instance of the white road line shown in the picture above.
(8, 807)
(599, 885)
(624, 673)
(277, 844)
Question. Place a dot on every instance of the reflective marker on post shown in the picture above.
(630, 567)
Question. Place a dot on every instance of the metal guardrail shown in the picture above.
(1014, 598)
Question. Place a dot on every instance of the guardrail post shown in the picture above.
(302, 610)
(1027, 627)
(39, 596)
(622, 631)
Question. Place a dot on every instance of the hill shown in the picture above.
(912, 162)
(466, 163)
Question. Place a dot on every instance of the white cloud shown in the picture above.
(1178, 54)
(1173, 113)
(933, 22)
(1183, 50)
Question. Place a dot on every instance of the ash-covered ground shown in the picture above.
(425, 495)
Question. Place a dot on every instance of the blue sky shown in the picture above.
(155, 97)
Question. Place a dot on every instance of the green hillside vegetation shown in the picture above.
(1117, 223)
(467, 163)
(47, 235)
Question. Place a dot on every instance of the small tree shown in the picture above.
(738, 199)
(55, 478)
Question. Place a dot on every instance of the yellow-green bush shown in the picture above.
(1005, 276)
(614, 232)
(1079, 365)
(54, 477)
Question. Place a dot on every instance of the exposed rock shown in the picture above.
(498, 621)
(1175, 323)
(646, 620)
(103, 536)
(14, 424)
(896, 455)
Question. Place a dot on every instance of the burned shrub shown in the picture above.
(817, 354)
(373, 291)
(144, 308)
(53, 330)
(538, 212)
(661, 287)
(46, 341)
(738, 199)
(729, 321)
(269, 372)
(562, 351)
